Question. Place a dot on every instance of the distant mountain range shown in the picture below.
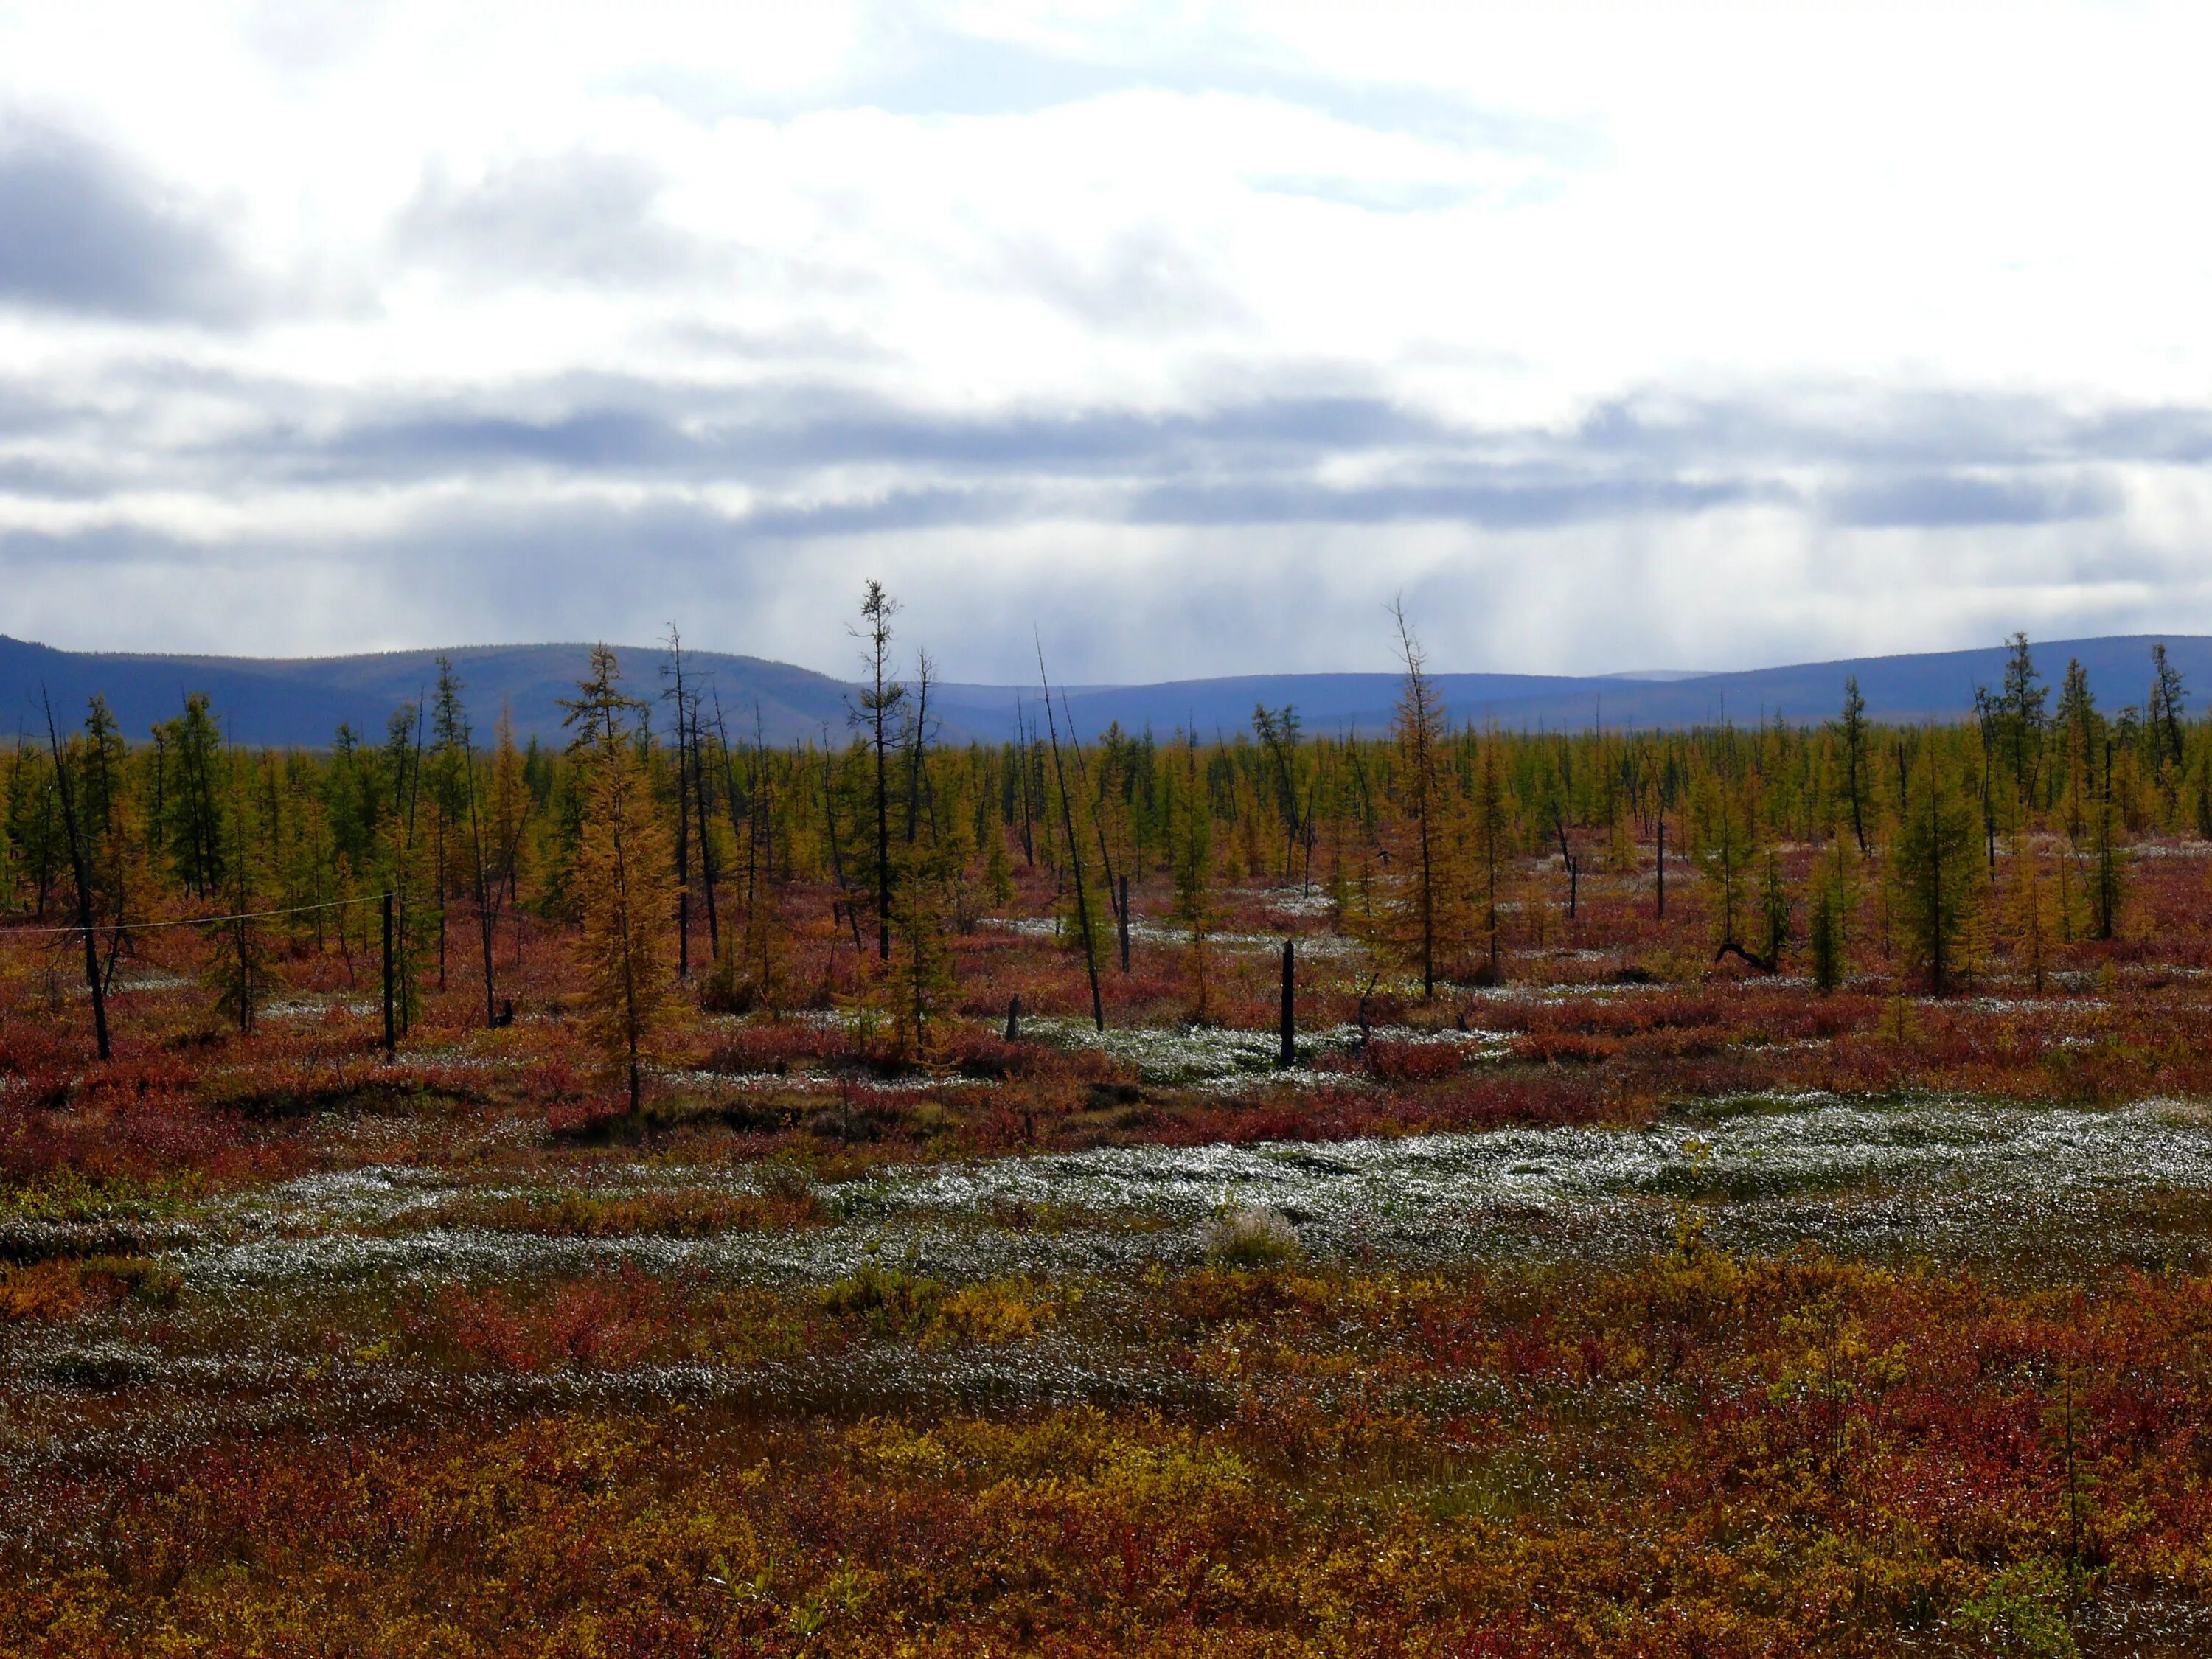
(303, 700)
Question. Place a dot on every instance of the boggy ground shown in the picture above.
(1625, 1307)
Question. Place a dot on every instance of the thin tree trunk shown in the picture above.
(706, 841)
(80, 872)
(837, 858)
(484, 921)
(1075, 855)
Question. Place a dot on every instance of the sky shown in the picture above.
(1180, 339)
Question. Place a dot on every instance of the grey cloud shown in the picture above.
(527, 561)
(1142, 281)
(52, 481)
(86, 233)
(1852, 426)
(1205, 599)
(800, 342)
(899, 510)
(2182, 436)
(1272, 431)
(1504, 502)
(826, 462)
(1261, 460)
(33, 408)
(591, 441)
(1947, 500)
(23, 550)
(581, 217)
(767, 436)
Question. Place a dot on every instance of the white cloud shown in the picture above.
(1615, 334)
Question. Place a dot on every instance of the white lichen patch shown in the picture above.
(305, 1007)
(1144, 931)
(1957, 1176)
(814, 1082)
(1204, 1055)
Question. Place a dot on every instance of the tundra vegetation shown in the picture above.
(671, 1194)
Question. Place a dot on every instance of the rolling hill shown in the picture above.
(302, 701)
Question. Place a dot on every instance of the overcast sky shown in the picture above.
(1186, 335)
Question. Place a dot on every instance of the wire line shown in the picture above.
(189, 922)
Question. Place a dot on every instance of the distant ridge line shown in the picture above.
(301, 700)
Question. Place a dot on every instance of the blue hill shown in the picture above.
(303, 700)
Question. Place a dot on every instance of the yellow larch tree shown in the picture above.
(625, 882)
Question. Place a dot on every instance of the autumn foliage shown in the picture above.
(1821, 1263)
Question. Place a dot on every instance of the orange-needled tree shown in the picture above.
(625, 880)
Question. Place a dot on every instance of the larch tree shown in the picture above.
(1277, 729)
(624, 878)
(922, 986)
(1727, 849)
(1934, 872)
(2032, 919)
(1852, 729)
(2162, 718)
(242, 971)
(2081, 732)
(1776, 919)
(1491, 819)
(80, 868)
(403, 860)
(1084, 931)
(1423, 914)
(1192, 869)
(684, 701)
(880, 700)
(755, 832)
(480, 861)
(122, 884)
(192, 748)
(702, 793)
(1828, 925)
(998, 867)
(459, 809)
(2020, 720)
(2107, 828)
(509, 814)
(453, 783)
(34, 837)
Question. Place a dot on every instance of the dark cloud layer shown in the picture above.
(1508, 498)
(81, 231)
(822, 462)
(1942, 500)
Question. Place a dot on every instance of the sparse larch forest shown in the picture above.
(1459, 1192)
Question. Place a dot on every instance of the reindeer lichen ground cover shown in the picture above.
(1820, 1264)
(1565, 1316)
